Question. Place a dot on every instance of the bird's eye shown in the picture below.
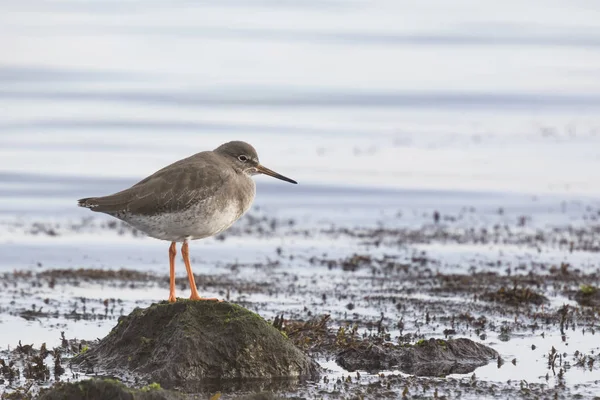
(243, 158)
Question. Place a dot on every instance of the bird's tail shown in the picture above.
(89, 202)
(107, 204)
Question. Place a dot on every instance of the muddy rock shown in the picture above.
(102, 389)
(189, 344)
(426, 358)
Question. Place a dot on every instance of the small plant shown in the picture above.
(587, 290)
(346, 336)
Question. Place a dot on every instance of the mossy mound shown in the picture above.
(426, 358)
(189, 344)
(102, 389)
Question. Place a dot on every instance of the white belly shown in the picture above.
(199, 221)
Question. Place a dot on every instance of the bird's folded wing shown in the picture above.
(167, 190)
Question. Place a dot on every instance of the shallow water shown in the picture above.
(462, 96)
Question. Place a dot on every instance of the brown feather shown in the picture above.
(171, 189)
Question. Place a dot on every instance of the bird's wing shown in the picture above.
(171, 189)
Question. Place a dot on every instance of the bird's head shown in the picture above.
(245, 158)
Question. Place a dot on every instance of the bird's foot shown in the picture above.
(172, 298)
(196, 296)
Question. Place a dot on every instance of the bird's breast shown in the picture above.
(245, 194)
(220, 212)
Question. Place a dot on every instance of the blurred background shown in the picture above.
(462, 95)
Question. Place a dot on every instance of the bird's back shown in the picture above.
(166, 188)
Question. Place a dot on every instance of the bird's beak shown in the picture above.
(267, 171)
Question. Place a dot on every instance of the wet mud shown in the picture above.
(505, 309)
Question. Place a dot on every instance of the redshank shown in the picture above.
(193, 198)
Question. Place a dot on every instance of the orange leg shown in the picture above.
(172, 254)
(188, 266)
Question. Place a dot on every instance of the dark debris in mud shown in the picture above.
(26, 368)
(515, 296)
(90, 274)
(413, 387)
(568, 238)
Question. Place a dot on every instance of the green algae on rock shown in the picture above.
(102, 389)
(188, 344)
